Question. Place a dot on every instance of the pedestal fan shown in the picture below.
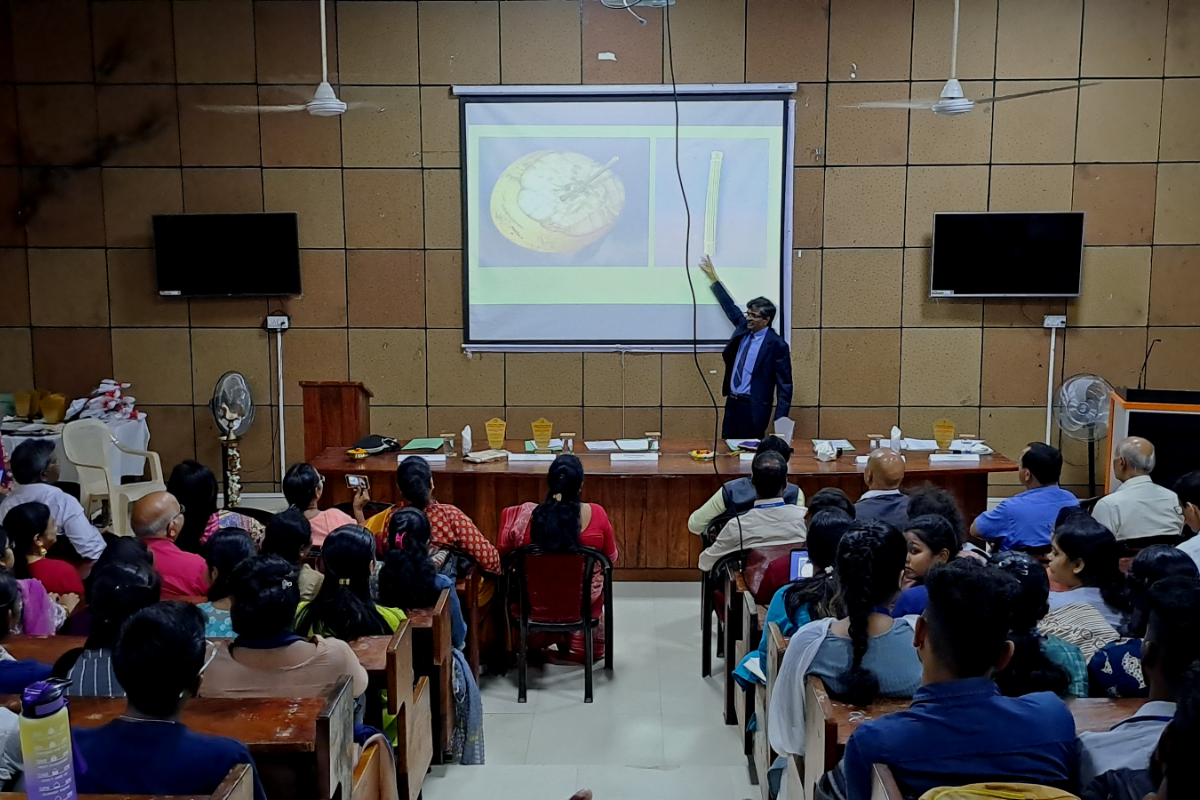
(1081, 409)
(232, 407)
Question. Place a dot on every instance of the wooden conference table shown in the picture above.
(647, 502)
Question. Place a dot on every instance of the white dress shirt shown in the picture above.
(1128, 745)
(771, 522)
(1138, 508)
(71, 519)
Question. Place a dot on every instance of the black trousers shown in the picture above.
(742, 423)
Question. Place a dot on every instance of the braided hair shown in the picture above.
(819, 593)
(555, 524)
(1029, 670)
(870, 559)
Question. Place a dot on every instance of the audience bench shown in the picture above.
(432, 659)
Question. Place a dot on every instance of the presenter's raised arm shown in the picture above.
(731, 309)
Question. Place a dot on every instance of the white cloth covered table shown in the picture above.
(132, 433)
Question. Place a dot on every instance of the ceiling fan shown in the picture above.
(952, 100)
(324, 102)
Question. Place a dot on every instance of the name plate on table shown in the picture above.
(517, 458)
(953, 458)
(432, 458)
(746, 456)
(629, 458)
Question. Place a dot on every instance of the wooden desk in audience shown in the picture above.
(648, 503)
(238, 785)
(432, 658)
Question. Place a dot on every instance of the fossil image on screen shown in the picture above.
(556, 201)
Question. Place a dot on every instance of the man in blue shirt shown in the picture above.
(147, 750)
(959, 729)
(1026, 520)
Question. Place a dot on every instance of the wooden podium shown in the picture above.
(336, 414)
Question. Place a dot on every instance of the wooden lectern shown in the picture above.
(336, 414)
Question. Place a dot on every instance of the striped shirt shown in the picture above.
(92, 676)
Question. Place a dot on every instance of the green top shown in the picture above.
(393, 617)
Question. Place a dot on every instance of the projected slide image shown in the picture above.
(565, 201)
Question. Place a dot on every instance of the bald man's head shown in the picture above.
(157, 514)
(1133, 456)
(885, 470)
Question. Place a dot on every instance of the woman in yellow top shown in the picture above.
(344, 608)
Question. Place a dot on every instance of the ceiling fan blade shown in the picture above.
(253, 109)
(1035, 92)
(917, 104)
(364, 104)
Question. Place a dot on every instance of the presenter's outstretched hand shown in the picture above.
(706, 266)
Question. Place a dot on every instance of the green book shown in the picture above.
(555, 444)
(424, 444)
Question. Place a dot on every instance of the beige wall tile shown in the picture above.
(921, 310)
(1174, 290)
(806, 420)
(215, 139)
(1116, 288)
(14, 277)
(691, 423)
(297, 139)
(323, 279)
(314, 194)
(258, 449)
(214, 41)
(1177, 205)
(786, 40)
(132, 197)
(12, 234)
(806, 366)
(1010, 430)
(860, 367)
(938, 139)
(1118, 121)
(866, 136)
(455, 380)
(133, 296)
(1174, 363)
(1123, 39)
(861, 288)
(157, 361)
(1016, 364)
(870, 40)
(90, 361)
(806, 289)
(377, 42)
(455, 418)
(313, 354)
(147, 22)
(1183, 39)
(68, 287)
(539, 42)
(383, 208)
(681, 385)
(935, 189)
(809, 142)
(391, 363)
(1034, 187)
(933, 26)
(856, 423)
(51, 41)
(57, 123)
(439, 127)
(173, 434)
(287, 41)
(443, 288)
(69, 211)
(1114, 354)
(520, 420)
(222, 191)
(1038, 40)
(619, 423)
(229, 312)
(941, 366)
(16, 368)
(918, 421)
(622, 379)
(708, 41)
(216, 351)
(808, 189)
(388, 134)
(1039, 130)
(638, 48)
(10, 135)
(143, 121)
(460, 42)
(543, 379)
(443, 208)
(1180, 119)
(1118, 200)
(864, 207)
(384, 288)
(1019, 312)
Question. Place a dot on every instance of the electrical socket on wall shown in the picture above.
(1054, 321)
(278, 322)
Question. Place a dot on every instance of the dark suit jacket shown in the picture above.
(772, 372)
(889, 508)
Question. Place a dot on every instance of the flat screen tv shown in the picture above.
(227, 255)
(1003, 254)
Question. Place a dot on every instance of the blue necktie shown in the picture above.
(741, 365)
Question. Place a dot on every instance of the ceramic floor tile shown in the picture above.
(500, 695)
(691, 742)
(506, 737)
(586, 734)
(500, 782)
(678, 783)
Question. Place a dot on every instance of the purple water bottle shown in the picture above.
(46, 741)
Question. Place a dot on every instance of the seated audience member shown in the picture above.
(1026, 520)
(1139, 508)
(36, 469)
(125, 550)
(449, 526)
(195, 487)
(344, 607)
(1039, 663)
(303, 487)
(32, 532)
(268, 658)
(223, 551)
(883, 499)
(157, 520)
(1170, 649)
(1187, 489)
(930, 499)
(562, 522)
(800, 602)
(771, 522)
(960, 729)
(830, 497)
(14, 675)
(161, 656)
(40, 615)
(821, 554)
(737, 496)
(1086, 559)
(289, 536)
(115, 593)
(931, 541)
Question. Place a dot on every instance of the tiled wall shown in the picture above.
(112, 87)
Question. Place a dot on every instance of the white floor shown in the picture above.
(655, 729)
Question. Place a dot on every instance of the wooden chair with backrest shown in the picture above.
(883, 785)
(753, 617)
(553, 594)
(433, 660)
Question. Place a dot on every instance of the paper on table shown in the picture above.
(842, 443)
(467, 440)
(734, 444)
(531, 446)
(920, 444)
(971, 446)
(784, 428)
(633, 445)
(424, 444)
(896, 439)
(605, 446)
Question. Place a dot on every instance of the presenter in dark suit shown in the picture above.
(758, 365)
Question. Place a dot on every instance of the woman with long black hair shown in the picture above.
(195, 487)
(344, 608)
(1085, 557)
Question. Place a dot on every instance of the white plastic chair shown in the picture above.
(86, 443)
